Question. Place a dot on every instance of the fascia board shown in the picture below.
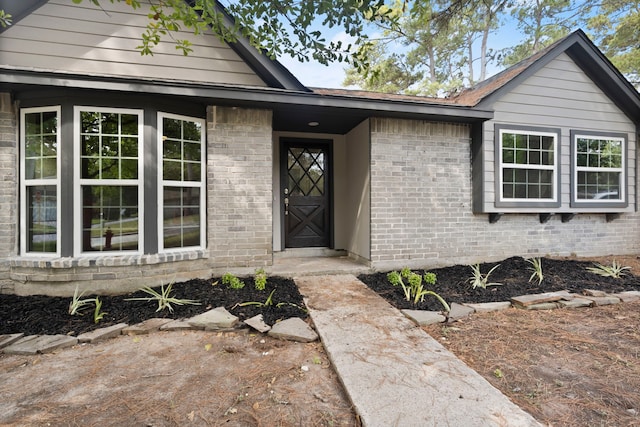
(245, 94)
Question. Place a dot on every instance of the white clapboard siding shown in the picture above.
(560, 95)
(85, 39)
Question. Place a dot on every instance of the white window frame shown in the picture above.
(501, 165)
(35, 182)
(78, 182)
(621, 170)
(169, 183)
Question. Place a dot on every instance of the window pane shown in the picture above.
(129, 147)
(172, 149)
(171, 171)
(109, 145)
(110, 123)
(129, 123)
(42, 227)
(41, 145)
(171, 128)
(181, 222)
(599, 185)
(109, 218)
(192, 172)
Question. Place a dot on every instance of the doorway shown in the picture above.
(305, 167)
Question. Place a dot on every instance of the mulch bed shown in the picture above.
(513, 274)
(36, 315)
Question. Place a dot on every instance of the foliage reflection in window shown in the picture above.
(40, 142)
(182, 148)
(110, 142)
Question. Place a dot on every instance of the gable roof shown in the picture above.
(583, 52)
(270, 71)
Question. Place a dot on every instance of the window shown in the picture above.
(598, 173)
(107, 178)
(93, 182)
(181, 188)
(528, 166)
(40, 156)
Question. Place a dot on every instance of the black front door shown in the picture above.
(305, 181)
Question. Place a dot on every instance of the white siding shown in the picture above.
(85, 39)
(558, 96)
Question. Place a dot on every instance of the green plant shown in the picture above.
(414, 289)
(268, 302)
(232, 281)
(163, 298)
(260, 279)
(97, 314)
(479, 280)
(76, 303)
(615, 270)
(536, 267)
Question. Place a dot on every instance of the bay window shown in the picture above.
(95, 181)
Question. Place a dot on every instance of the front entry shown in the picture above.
(306, 192)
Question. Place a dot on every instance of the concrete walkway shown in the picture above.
(394, 373)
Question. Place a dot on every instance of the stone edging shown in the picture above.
(218, 319)
(545, 301)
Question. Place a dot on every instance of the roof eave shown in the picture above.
(246, 95)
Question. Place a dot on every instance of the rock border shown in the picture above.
(217, 319)
(544, 301)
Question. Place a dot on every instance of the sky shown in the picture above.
(313, 74)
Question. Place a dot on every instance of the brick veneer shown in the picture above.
(421, 207)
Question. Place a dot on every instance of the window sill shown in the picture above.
(31, 261)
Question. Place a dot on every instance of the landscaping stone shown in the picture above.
(540, 306)
(34, 344)
(6, 340)
(627, 296)
(218, 318)
(486, 307)
(103, 333)
(424, 317)
(145, 327)
(257, 323)
(594, 293)
(575, 302)
(606, 300)
(178, 325)
(459, 311)
(293, 329)
(526, 300)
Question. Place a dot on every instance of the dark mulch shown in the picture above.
(33, 315)
(513, 273)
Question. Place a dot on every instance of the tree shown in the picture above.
(433, 48)
(276, 27)
(542, 22)
(616, 29)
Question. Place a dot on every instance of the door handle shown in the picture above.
(286, 206)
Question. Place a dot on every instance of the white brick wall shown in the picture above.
(421, 207)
